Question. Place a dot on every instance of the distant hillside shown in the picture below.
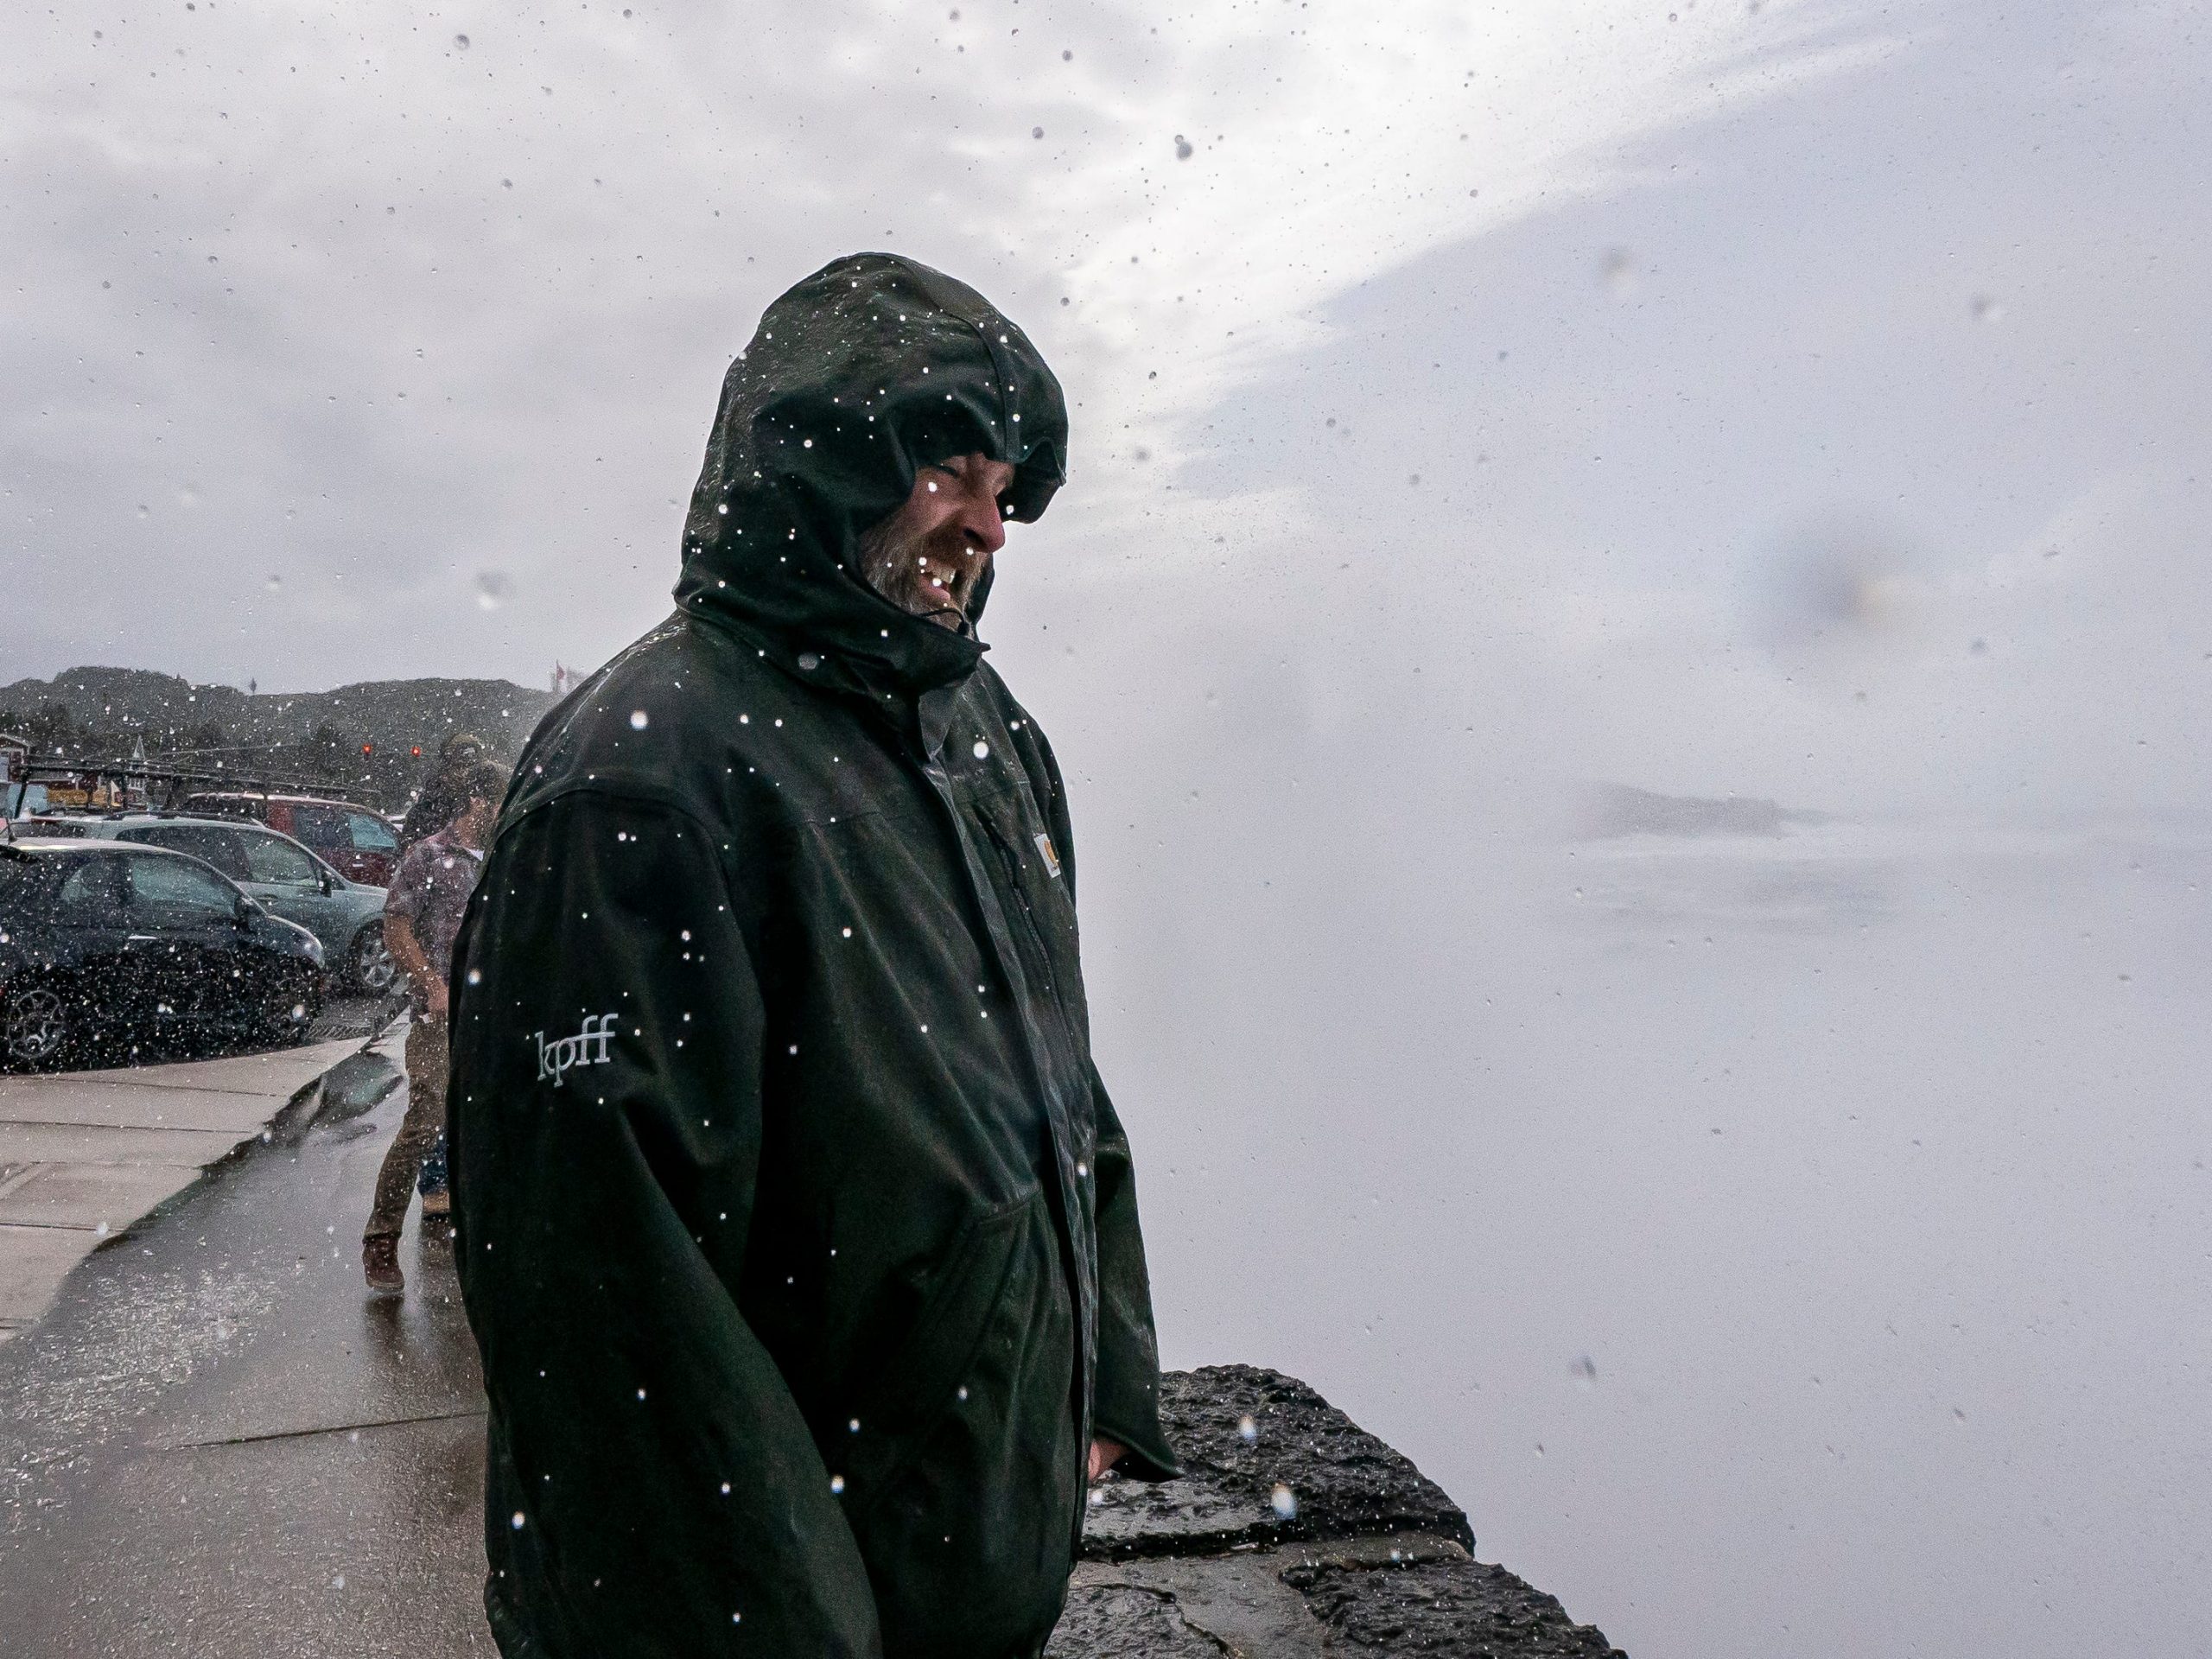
(96, 714)
(1620, 809)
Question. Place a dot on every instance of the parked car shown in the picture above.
(358, 841)
(285, 878)
(102, 942)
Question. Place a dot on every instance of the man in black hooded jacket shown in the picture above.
(796, 1228)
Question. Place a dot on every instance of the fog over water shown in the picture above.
(1788, 1243)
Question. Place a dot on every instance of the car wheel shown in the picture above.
(39, 1026)
(369, 963)
(287, 1012)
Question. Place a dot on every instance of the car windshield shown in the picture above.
(177, 889)
(372, 834)
(269, 857)
(90, 892)
(322, 826)
(219, 846)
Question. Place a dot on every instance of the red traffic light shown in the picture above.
(417, 750)
(365, 748)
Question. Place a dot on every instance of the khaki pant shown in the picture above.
(418, 1130)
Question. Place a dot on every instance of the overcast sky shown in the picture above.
(1805, 398)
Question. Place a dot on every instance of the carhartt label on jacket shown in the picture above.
(557, 1057)
(1051, 858)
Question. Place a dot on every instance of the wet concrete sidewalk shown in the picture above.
(217, 1444)
(83, 1155)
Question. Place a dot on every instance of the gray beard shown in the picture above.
(890, 565)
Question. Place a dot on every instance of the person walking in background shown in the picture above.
(439, 801)
(797, 1230)
(422, 915)
(436, 805)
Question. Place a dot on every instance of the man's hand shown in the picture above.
(407, 950)
(1104, 1454)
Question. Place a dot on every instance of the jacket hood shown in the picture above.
(868, 371)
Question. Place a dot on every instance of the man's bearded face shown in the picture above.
(931, 557)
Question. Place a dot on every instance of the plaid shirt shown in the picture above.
(428, 891)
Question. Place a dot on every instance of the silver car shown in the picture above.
(284, 878)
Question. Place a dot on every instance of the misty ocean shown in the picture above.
(1779, 1245)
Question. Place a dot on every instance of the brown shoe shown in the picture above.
(380, 1264)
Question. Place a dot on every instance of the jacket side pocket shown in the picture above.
(969, 1529)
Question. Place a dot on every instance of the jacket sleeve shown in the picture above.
(653, 1488)
(1126, 1392)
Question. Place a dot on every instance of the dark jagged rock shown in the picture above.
(1122, 1621)
(1293, 1534)
(1307, 1472)
(1454, 1610)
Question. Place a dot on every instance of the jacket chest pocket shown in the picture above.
(1039, 907)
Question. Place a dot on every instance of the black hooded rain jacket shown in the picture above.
(796, 1229)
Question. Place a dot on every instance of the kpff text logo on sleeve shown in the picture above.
(563, 1054)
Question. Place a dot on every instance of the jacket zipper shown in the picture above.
(1043, 952)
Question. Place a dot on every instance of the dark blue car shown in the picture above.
(106, 947)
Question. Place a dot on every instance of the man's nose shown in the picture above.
(983, 526)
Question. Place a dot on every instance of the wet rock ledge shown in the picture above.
(1295, 1534)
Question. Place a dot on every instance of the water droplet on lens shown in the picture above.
(1285, 1502)
(639, 720)
(460, 44)
(983, 751)
(1247, 1430)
